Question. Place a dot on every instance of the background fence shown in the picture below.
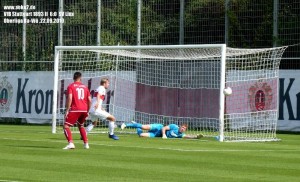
(238, 23)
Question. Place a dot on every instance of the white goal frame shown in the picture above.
(222, 54)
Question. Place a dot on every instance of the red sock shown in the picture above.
(83, 134)
(68, 135)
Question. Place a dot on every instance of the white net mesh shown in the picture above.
(251, 110)
(178, 84)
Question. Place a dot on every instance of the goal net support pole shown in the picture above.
(222, 98)
(55, 90)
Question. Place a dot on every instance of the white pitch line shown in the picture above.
(159, 148)
(3, 180)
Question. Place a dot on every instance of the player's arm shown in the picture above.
(163, 131)
(99, 98)
(102, 96)
(68, 103)
(89, 102)
(198, 136)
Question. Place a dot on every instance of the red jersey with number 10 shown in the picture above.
(80, 95)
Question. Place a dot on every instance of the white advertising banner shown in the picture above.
(26, 94)
(289, 100)
(30, 94)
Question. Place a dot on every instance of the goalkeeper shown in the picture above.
(158, 130)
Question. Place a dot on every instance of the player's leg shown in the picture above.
(136, 125)
(90, 127)
(155, 130)
(68, 135)
(111, 127)
(131, 125)
(147, 135)
(103, 115)
(70, 119)
(139, 131)
(94, 119)
(80, 124)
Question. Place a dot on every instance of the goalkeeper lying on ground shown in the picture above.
(158, 130)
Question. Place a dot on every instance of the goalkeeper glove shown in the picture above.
(164, 137)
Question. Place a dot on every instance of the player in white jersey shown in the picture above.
(98, 112)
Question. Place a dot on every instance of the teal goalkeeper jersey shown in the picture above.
(174, 132)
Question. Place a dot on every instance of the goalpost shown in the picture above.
(179, 84)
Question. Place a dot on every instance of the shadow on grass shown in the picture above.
(29, 146)
(288, 132)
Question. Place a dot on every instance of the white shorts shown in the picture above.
(102, 115)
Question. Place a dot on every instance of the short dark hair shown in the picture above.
(77, 75)
(185, 125)
(103, 81)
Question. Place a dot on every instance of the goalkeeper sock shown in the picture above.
(89, 127)
(139, 131)
(134, 125)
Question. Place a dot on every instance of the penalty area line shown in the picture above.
(157, 148)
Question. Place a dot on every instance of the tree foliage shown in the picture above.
(250, 25)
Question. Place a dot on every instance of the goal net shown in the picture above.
(178, 84)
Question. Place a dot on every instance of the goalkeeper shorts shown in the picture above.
(155, 130)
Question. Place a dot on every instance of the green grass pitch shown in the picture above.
(33, 153)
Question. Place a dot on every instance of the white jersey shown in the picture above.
(100, 90)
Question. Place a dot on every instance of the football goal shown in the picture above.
(222, 92)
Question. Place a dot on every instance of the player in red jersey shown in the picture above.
(77, 106)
